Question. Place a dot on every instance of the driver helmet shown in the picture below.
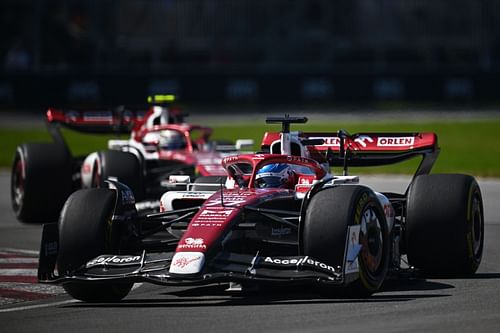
(170, 139)
(277, 175)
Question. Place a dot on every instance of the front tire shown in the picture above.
(325, 233)
(445, 225)
(85, 233)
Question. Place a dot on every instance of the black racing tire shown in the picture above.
(325, 232)
(124, 166)
(445, 225)
(197, 184)
(83, 235)
(41, 181)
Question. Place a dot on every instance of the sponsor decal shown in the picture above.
(194, 195)
(361, 140)
(257, 157)
(114, 260)
(197, 241)
(127, 197)
(207, 224)
(280, 231)
(212, 217)
(230, 159)
(302, 188)
(187, 263)
(86, 168)
(403, 141)
(353, 249)
(98, 116)
(332, 141)
(51, 248)
(72, 116)
(183, 262)
(229, 199)
(297, 159)
(359, 208)
(299, 262)
(216, 213)
(193, 243)
(303, 181)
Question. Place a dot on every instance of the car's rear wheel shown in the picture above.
(41, 181)
(324, 234)
(445, 224)
(123, 166)
(84, 233)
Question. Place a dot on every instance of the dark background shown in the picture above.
(108, 52)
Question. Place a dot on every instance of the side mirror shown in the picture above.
(244, 144)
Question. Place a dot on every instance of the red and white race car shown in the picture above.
(279, 217)
(160, 144)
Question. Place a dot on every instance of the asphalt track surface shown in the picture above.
(434, 305)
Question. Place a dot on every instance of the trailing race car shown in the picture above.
(278, 217)
(160, 144)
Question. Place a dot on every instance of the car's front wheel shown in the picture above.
(325, 233)
(84, 233)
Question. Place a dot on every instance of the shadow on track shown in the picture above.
(216, 295)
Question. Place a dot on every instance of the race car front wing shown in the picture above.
(155, 268)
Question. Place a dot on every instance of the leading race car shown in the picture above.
(160, 144)
(278, 217)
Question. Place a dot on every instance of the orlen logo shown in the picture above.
(362, 140)
(332, 141)
(395, 141)
(193, 243)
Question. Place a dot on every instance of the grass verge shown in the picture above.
(471, 147)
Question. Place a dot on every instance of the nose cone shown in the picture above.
(187, 263)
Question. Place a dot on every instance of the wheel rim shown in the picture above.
(372, 241)
(477, 226)
(18, 183)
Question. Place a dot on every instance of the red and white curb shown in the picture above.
(18, 278)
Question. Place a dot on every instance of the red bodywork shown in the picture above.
(220, 211)
(362, 142)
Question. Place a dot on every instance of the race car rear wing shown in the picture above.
(362, 149)
(119, 120)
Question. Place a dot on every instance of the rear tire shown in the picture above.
(84, 233)
(324, 234)
(41, 181)
(445, 225)
(124, 166)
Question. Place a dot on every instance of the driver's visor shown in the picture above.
(268, 182)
